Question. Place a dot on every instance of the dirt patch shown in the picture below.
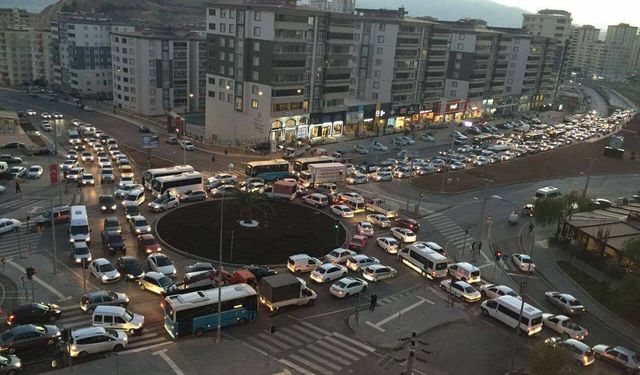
(285, 229)
(140, 159)
(572, 160)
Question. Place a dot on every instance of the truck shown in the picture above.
(283, 190)
(325, 172)
(378, 205)
(284, 290)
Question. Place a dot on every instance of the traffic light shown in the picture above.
(30, 272)
(498, 255)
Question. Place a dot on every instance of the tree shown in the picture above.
(632, 251)
(556, 210)
(552, 360)
(248, 203)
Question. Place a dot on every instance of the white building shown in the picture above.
(550, 23)
(159, 70)
(580, 48)
(623, 36)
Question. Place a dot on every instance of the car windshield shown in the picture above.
(160, 200)
(165, 281)
(526, 260)
(150, 241)
(108, 267)
(341, 284)
(469, 289)
(127, 315)
(163, 261)
(141, 223)
(132, 209)
(79, 229)
(87, 177)
(574, 302)
(34, 169)
(82, 250)
(321, 270)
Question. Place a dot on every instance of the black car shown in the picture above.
(130, 267)
(43, 152)
(13, 146)
(113, 242)
(144, 129)
(131, 210)
(408, 223)
(111, 224)
(28, 337)
(259, 272)
(33, 312)
(107, 203)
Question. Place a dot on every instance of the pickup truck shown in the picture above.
(285, 290)
(379, 206)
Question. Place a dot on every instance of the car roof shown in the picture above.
(23, 328)
(97, 293)
(101, 261)
(155, 275)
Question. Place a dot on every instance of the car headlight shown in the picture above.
(137, 230)
(104, 207)
(113, 207)
(104, 278)
(78, 260)
(18, 364)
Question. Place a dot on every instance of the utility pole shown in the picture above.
(482, 221)
(446, 168)
(219, 332)
(53, 237)
(586, 183)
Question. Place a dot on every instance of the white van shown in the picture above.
(424, 260)
(302, 263)
(84, 341)
(116, 317)
(507, 310)
(79, 225)
(465, 271)
(547, 192)
(316, 199)
(74, 137)
(4, 167)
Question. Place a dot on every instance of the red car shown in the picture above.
(358, 242)
(408, 223)
(148, 243)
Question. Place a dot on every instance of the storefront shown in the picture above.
(327, 125)
(454, 110)
(289, 129)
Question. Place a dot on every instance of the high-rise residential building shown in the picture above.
(41, 62)
(25, 56)
(15, 17)
(623, 37)
(81, 54)
(550, 23)
(159, 70)
(278, 71)
(339, 6)
(635, 55)
(580, 45)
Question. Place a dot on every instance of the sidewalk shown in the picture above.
(547, 261)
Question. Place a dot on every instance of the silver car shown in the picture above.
(91, 300)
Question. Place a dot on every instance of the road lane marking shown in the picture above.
(163, 354)
(399, 313)
(310, 364)
(296, 367)
(144, 348)
(375, 326)
(322, 360)
(345, 346)
(343, 353)
(354, 342)
(39, 281)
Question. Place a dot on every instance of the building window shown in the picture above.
(254, 104)
(255, 89)
(212, 94)
(380, 38)
(223, 27)
(229, 98)
(223, 56)
(461, 37)
(221, 83)
(212, 12)
(378, 62)
(212, 81)
(379, 50)
(223, 13)
(454, 84)
(256, 61)
(257, 15)
(515, 49)
(356, 37)
(232, 29)
(376, 84)
(381, 27)
(212, 26)
(452, 93)
(256, 31)
(232, 13)
(152, 62)
(221, 96)
(374, 96)
(256, 46)
(254, 75)
(376, 73)
(460, 46)
(222, 43)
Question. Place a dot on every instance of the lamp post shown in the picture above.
(219, 333)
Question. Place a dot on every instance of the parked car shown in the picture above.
(578, 350)
(33, 313)
(566, 302)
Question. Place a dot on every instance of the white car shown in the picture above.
(339, 255)
(31, 112)
(460, 289)
(75, 122)
(377, 272)
(163, 202)
(104, 270)
(377, 146)
(493, 291)
(328, 272)
(350, 197)
(187, 145)
(139, 224)
(379, 220)
(157, 283)
(359, 261)
(619, 355)
(342, 210)
(9, 225)
(69, 164)
(564, 326)
(568, 303)
(456, 166)
(72, 154)
(35, 171)
(124, 189)
(364, 228)
(403, 234)
(408, 140)
(57, 115)
(348, 286)
(357, 178)
(523, 262)
(45, 115)
(388, 244)
(46, 126)
(87, 179)
(577, 349)
(159, 262)
(480, 161)
(403, 172)
(379, 176)
(224, 178)
(86, 157)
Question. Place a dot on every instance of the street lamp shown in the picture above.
(219, 333)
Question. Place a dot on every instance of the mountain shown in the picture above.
(34, 6)
(452, 10)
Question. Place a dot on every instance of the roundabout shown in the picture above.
(272, 232)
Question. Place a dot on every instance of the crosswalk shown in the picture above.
(152, 335)
(16, 244)
(310, 350)
(19, 203)
(450, 230)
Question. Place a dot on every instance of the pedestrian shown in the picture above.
(225, 152)
(213, 159)
(79, 185)
(18, 190)
(374, 301)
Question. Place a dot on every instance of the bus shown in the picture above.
(302, 164)
(194, 313)
(150, 174)
(268, 170)
(176, 184)
(424, 260)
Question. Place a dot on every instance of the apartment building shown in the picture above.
(81, 54)
(159, 70)
(339, 6)
(550, 23)
(15, 56)
(15, 17)
(623, 37)
(579, 53)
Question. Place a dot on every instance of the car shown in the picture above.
(10, 159)
(186, 145)
(342, 210)
(348, 286)
(107, 203)
(171, 141)
(31, 112)
(75, 122)
(192, 196)
(427, 138)
(260, 271)
(34, 171)
(359, 149)
(408, 223)
(17, 171)
(199, 267)
(57, 115)
(10, 364)
(328, 272)
(377, 272)
(139, 224)
(111, 224)
(104, 162)
(578, 350)
(403, 234)
(126, 179)
(254, 187)
(144, 129)
(28, 336)
(163, 202)
(388, 244)
(113, 242)
(380, 175)
(566, 302)
(107, 176)
(528, 209)
(356, 178)
(123, 190)
(523, 262)
(600, 203)
(225, 178)
(69, 164)
(364, 228)
(148, 244)
(90, 300)
(159, 262)
(86, 157)
(87, 179)
(563, 325)
(379, 220)
(456, 166)
(224, 190)
(619, 356)
(46, 126)
(33, 313)
(92, 340)
(493, 291)
(9, 225)
(74, 174)
(157, 282)
(481, 160)
(359, 261)
(460, 289)
(403, 172)
(130, 210)
(339, 255)
(104, 270)
(45, 115)
(80, 253)
(377, 146)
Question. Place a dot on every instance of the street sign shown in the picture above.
(53, 173)
(150, 141)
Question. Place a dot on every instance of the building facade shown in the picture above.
(622, 37)
(156, 71)
(550, 23)
(81, 54)
(580, 47)
(15, 56)
(15, 17)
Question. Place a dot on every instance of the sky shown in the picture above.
(587, 12)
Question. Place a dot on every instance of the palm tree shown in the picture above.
(248, 203)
